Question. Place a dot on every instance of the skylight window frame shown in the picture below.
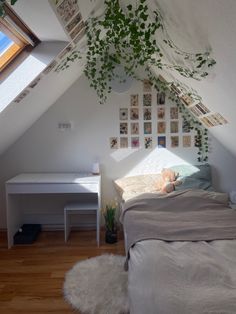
(14, 28)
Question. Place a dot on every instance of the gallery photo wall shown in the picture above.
(151, 120)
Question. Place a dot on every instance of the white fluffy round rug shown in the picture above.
(98, 285)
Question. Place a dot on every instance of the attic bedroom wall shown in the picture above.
(44, 148)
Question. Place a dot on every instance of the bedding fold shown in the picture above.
(190, 215)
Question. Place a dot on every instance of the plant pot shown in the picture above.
(111, 237)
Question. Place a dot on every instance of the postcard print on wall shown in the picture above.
(135, 142)
(67, 10)
(124, 128)
(22, 96)
(50, 67)
(147, 100)
(161, 127)
(148, 142)
(161, 98)
(161, 113)
(147, 86)
(147, 128)
(134, 114)
(77, 30)
(174, 126)
(124, 142)
(187, 141)
(174, 141)
(134, 100)
(35, 82)
(123, 114)
(185, 126)
(113, 142)
(65, 51)
(147, 114)
(76, 20)
(161, 142)
(134, 128)
(174, 113)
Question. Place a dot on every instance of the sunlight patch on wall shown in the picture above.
(156, 161)
(121, 154)
(19, 79)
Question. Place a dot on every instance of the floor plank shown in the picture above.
(32, 276)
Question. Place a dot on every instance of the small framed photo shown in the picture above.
(135, 142)
(79, 36)
(123, 114)
(67, 9)
(187, 141)
(77, 30)
(148, 142)
(147, 100)
(174, 126)
(203, 109)
(174, 113)
(134, 114)
(147, 86)
(124, 128)
(195, 111)
(22, 96)
(147, 114)
(147, 128)
(65, 51)
(134, 128)
(161, 98)
(161, 127)
(161, 142)
(35, 81)
(207, 122)
(50, 67)
(113, 142)
(161, 113)
(187, 100)
(134, 100)
(124, 142)
(76, 20)
(174, 141)
(185, 126)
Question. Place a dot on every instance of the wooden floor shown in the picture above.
(31, 277)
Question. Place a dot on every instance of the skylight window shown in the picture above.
(15, 37)
(5, 43)
(8, 50)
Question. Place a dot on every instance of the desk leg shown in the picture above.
(98, 227)
(66, 225)
(14, 218)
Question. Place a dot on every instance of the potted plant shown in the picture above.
(110, 223)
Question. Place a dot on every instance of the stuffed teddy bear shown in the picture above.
(168, 181)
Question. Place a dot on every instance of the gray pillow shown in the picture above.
(194, 177)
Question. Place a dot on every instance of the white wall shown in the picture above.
(45, 148)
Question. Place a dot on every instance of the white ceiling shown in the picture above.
(40, 18)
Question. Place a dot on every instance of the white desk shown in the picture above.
(45, 183)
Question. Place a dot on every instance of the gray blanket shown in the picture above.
(190, 215)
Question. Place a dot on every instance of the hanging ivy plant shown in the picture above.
(127, 36)
(2, 3)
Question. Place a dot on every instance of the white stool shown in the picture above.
(74, 208)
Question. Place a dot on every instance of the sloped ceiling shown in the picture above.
(199, 25)
(194, 26)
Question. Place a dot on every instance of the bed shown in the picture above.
(181, 249)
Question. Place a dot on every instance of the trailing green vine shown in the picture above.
(2, 4)
(127, 36)
(174, 89)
